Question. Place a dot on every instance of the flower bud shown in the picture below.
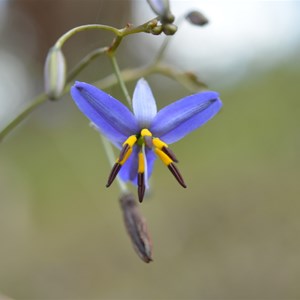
(157, 30)
(136, 227)
(196, 18)
(54, 73)
(169, 29)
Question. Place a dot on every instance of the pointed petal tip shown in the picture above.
(77, 87)
(77, 83)
(216, 100)
(178, 119)
(113, 119)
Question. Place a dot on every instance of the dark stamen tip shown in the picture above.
(170, 153)
(113, 174)
(177, 174)
(141, 193)
(141, 187)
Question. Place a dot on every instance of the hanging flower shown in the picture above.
(144, 134)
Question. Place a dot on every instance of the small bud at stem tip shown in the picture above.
(54, 73)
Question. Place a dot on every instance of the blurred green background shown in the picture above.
(233, 233)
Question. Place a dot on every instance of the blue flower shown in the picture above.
(144, 134)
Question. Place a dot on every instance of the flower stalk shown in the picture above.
(119, 78)
(37, 101)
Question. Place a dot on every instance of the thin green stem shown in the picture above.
(166, 43)
(162, 50)
(40, 99)
(110, 156)
(115, 44)
(119, 78)
(187, 80)
(75, 30)
(146, 27)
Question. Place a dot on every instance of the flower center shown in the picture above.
(145, 139)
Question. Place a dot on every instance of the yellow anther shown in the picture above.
(130, 141)
(159, 143)
(146, 132)
(141, 168)
(125, 157)
(163, 156)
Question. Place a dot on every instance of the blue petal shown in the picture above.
(110, 116)
(143, 103)
(129, 170)
(178, 119)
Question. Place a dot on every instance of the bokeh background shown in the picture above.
(233, 234)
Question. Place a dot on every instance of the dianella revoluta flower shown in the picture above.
(144, 134)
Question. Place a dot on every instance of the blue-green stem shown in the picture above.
(31, 107)
(129, 29)
(166, 42)
(107, 146)
(119, 77)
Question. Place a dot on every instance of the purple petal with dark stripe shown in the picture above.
(180, 118)
(111, 117)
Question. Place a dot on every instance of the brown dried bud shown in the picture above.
(136, 227)
(196, 18)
